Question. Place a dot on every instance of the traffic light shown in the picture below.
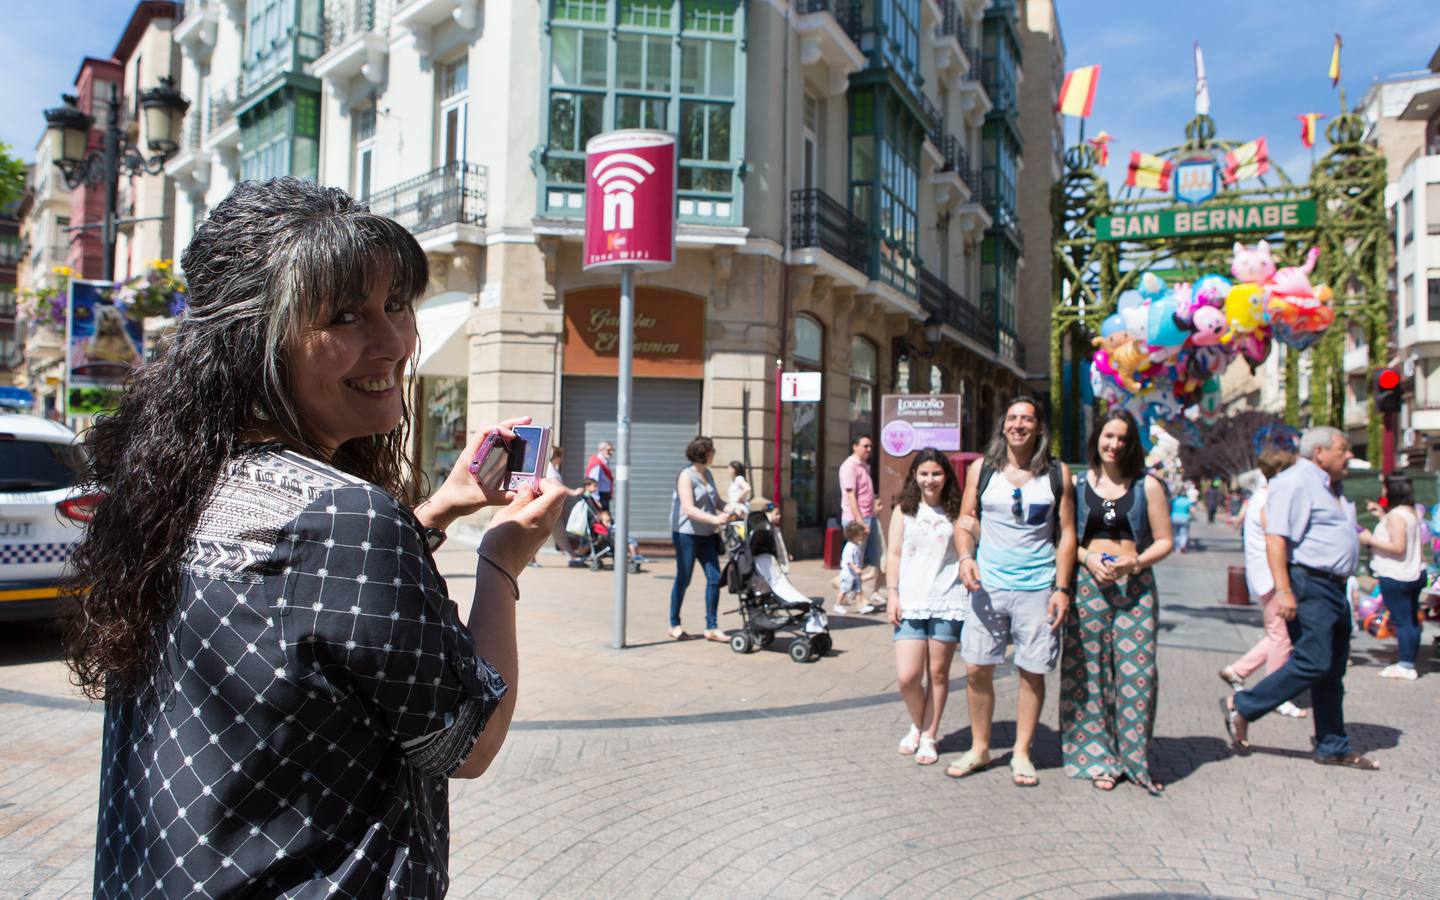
(1387, 390)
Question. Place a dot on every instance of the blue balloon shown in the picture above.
(1211, 288)
(1131, 298)
(1164, 330)
(1113, 323)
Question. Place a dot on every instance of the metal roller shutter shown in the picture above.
(665, 416)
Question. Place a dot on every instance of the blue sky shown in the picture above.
(1265, 61)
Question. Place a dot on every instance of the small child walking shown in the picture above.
(851, 574)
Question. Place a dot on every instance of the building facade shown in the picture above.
(848, 204)
(1401, 118)
(11, 252)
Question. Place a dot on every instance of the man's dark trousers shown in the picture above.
(1320, 635)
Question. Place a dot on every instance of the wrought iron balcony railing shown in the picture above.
(222, 106)
(846, 13)
(818, 220)
(452, 194)
(947, 305)
(347, 19)
(934, 121)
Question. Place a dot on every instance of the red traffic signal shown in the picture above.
(1387, 390)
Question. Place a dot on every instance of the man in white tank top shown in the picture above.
(1022, 582)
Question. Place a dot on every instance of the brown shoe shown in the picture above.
(1350, 761)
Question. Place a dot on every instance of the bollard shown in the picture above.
(1239, 593)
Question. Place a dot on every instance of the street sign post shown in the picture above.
(630, 223)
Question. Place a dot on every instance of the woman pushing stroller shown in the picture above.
(927, 601)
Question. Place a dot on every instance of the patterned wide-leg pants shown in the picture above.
(1108, 679)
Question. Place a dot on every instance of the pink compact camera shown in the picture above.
(503, 465)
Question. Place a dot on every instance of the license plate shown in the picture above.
(10, 529)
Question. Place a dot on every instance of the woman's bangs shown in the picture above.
(338, 267)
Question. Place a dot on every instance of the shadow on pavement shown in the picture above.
(1174, 759)
(22, 643)
(1248, 615)
(1044, 752)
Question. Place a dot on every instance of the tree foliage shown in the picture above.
(12, 177)
(1232, 445)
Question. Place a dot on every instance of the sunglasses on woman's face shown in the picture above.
(1017, 508)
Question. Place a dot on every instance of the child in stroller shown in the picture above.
(768, 601)
(589, 527)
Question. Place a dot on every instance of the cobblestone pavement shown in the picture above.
(685, 770)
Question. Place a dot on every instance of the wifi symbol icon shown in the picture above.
(618, 174)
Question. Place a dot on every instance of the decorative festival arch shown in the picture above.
(1106, 242)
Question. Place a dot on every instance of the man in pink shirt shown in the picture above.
(857, 504)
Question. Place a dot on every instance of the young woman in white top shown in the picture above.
(1273, 648)
(926, 598)
(1396, 561)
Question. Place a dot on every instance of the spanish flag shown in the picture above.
(1101, 143)
(1335, 62)
(1148, 171)
(1077, 92)
(1247, 161)
(1309, 125)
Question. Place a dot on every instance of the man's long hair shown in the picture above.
(272, 258)
(997, 453)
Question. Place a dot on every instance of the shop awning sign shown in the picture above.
(800, 387)
(1182, 222)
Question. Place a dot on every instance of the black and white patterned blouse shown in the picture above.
(316, 689)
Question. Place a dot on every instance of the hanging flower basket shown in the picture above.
(160, 292)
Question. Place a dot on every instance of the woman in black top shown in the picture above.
(287, 685)
(1107, 669)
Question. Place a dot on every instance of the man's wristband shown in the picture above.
(967, 558)
(1066, 589)
(1284, 590)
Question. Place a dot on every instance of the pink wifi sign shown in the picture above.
(630, 199)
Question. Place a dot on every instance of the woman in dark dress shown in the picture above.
(288, 687)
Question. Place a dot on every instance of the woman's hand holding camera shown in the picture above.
(460, 494)
(519, 529)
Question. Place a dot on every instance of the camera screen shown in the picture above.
(524, 451)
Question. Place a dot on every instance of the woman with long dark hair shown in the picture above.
(927, 601)
(1397, 563)
(287, 685)
(1107, 669)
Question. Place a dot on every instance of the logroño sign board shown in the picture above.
(630, 180)
(1164, 223)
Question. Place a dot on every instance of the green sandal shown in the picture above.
(1021, 769)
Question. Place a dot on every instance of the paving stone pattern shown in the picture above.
(677, 770)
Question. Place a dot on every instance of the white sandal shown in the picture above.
(927, 755)
(910, 742)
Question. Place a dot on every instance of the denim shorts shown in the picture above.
(934, 629)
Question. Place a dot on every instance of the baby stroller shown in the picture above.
(594, 539)
(768, 601)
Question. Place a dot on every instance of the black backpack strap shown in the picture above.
(1057, 488)
(986, 473)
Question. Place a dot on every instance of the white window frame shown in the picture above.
(458, 104)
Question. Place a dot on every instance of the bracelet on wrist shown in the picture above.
(514, 585)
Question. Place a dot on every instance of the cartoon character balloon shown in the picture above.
(1254, 265)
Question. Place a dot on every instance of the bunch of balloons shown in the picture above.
(1163, 349)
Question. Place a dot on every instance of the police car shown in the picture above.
(42, 514)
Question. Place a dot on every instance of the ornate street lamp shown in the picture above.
(67, 132)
